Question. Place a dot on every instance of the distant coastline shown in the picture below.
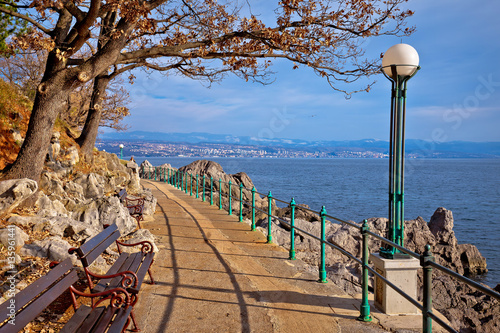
(331, 149)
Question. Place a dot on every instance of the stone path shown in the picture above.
(215, 275)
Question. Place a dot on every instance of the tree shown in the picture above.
(189, 35)
(9, 26)
(24, 70)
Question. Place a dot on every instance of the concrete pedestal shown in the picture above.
(403, 274)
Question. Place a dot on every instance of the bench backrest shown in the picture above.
(122, 194)
(95, 246)
(26, 305)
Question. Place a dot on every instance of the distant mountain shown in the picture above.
(420, 148)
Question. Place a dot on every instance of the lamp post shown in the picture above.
(399, 64)
(121, 150)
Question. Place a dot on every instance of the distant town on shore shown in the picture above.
(205, 145)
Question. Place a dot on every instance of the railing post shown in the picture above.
(253, 208)
(155, 173)
(292, 230)
(182, 181)
(203, 192)
(197, 196)
(211, 191)
(241, 203)
(269, 217)
(322, 270)
(220, 194)
(165, 174)
(364, 310)
(230, 210)
(168, 176)
(425, 259)
(186, 188)
(191, 184)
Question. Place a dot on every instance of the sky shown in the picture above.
(455, 95)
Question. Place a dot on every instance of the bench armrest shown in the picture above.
(135, 209)
(134, 201)
(146, 246)
(118, 297)
(129, 279)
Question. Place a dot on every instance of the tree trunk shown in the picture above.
(89, 132)
(31, 157)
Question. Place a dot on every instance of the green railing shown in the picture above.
(180, 179)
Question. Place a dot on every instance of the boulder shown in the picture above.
(112, 211)
(72, 155)
(472, 260)
(441, 226)
(13, 192)
(54, 248)
(47, 207)
(92, 185)
(66, 227)
(13, 236)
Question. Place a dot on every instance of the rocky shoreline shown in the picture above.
(465, 308)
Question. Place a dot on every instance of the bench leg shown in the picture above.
(126, 325)
(138, 218)
(151, 276)
(132, 316)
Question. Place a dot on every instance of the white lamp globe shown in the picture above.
(400, 54)
(121, 146)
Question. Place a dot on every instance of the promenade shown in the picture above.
(215, 275)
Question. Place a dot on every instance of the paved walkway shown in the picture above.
(215, 275)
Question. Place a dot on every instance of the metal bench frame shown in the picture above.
(127, 272)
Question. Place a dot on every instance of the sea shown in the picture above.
(357, 189)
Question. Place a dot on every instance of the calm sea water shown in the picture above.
(355, 189)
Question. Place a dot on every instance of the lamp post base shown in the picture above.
(403, 274)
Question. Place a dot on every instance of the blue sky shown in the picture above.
(455, 96)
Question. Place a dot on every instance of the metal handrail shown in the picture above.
(176, 178)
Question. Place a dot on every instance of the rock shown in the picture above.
(13, 192)
(48, 207)
(145, 169)
(50, 183)
(17, 137)
(472, 260)
(27, 221)
(74, 190)
(13, 236)
(66, 227)
(72, 155)
(112, 211)
(92, 185)
(441, 226)
(53, 248)
(149, 202)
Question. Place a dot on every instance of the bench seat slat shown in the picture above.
(77, 320)
(143, 270)
(38, 305)
(120, 320)
(26, 295)
(91, 320)
(105, 320)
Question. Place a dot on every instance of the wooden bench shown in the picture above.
(135, 206)
(128, 271)
(26, 305)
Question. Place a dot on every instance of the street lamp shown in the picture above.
(121, 150)
(399, 64)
